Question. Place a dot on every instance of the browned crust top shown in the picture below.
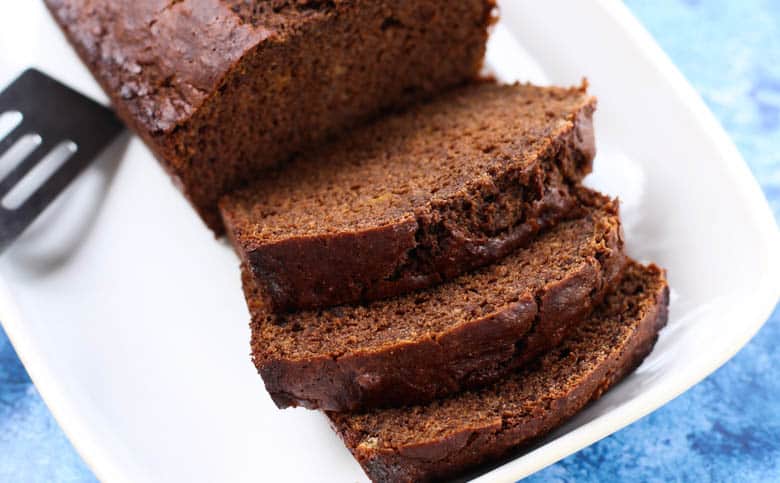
(158, 59)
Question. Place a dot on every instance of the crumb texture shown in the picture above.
(384, 173)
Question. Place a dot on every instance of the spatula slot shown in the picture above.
(39, 175)
(17, 152)
(8, 122)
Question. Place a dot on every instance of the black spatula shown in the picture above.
(68, 131)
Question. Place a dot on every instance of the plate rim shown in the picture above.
(106, 467)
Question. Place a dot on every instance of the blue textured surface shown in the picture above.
(726, 428)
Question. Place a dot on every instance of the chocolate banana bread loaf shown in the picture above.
(435, 441)
(461, 334)
(220, 89)
(415, 198)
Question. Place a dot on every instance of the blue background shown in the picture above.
(728, 427)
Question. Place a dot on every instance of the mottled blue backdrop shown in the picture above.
(728, 427)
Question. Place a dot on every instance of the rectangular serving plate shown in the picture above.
(129, 317)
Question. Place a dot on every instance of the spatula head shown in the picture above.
(70, 131)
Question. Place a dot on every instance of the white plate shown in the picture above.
(129, 317)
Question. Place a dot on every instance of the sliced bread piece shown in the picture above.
(461, 334)
(220, 89)
(431, 442)
(415, 198)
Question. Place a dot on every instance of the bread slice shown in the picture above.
(220, 89)
(415, 198)
(439, 440)
(464, 333)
